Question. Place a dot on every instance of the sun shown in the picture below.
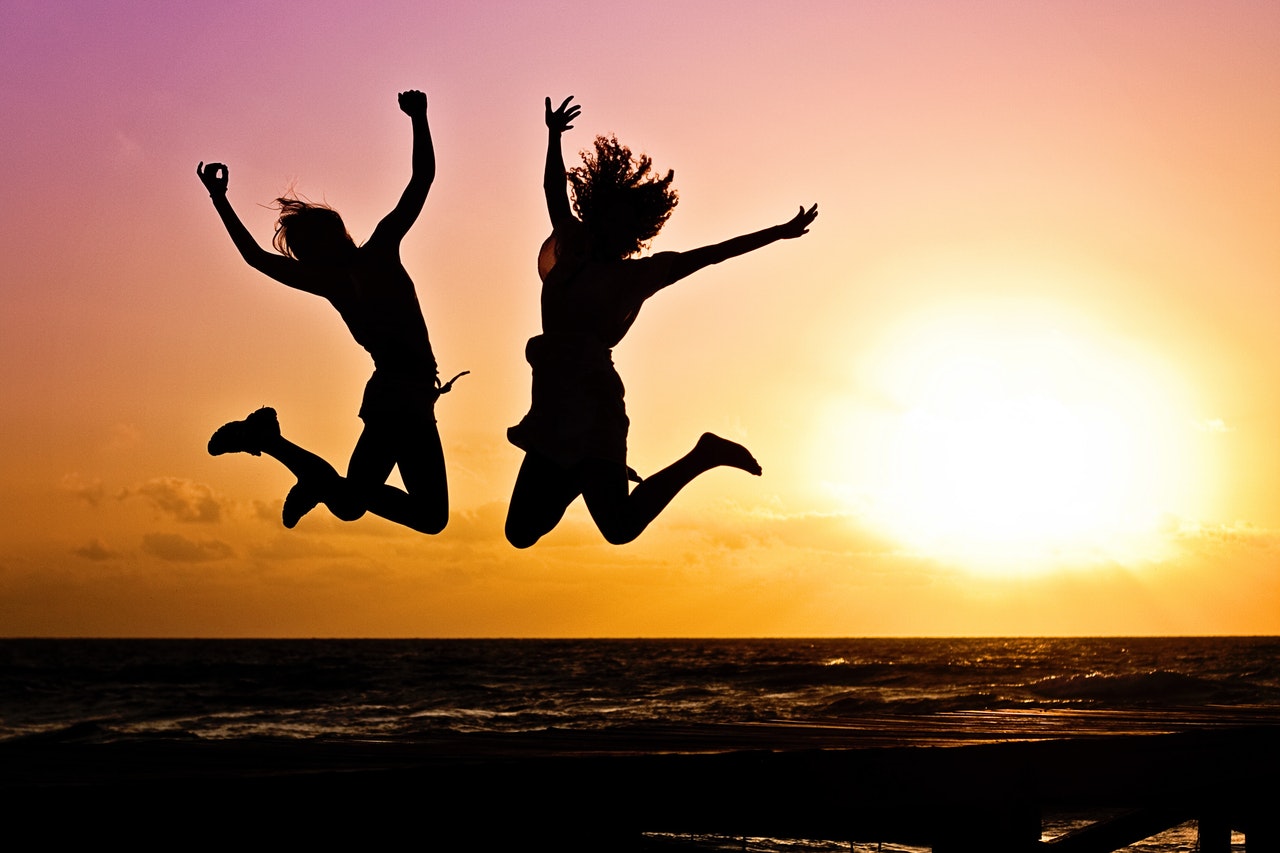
(1017, 440)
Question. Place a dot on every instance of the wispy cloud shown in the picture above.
(123, 437)
(837, 533)
(1214, 425)
(1241, 533)
(97, 550)
(183, 500)
(89, 491)
(177, 548)
(297, 547)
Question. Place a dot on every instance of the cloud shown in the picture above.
(184, 500)
(837, 533)
(296, 547)
(96, 550)
(478, 525)
(1214, 425)
(89, 491)
(268, 510)
(177, 548)
(1240, 534)
(123, 437)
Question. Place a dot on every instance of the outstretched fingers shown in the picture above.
(559, 119)
(800, 223)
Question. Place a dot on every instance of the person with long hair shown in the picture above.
(376, 298)
(574, 436)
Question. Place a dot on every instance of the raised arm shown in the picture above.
(284, 270)
(553, 181)
(397, 223)
(686, 263)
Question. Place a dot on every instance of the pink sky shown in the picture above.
(1108, 168)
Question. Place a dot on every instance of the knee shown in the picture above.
(619, 534)
(344, 502)
(521, 536)
(616, 538)
(431, 524)
(346, 510)
(521, 541)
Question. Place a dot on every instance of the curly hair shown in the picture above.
(306, 229)
(622, 203)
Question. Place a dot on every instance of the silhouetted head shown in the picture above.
(621, 202)
(313, 233)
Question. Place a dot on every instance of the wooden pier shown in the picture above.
(952, 782)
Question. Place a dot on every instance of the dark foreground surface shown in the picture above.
(975, 781)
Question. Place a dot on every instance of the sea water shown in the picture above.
(399, 690)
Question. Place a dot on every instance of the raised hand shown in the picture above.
(413, 103)
(799, 223)
(214, 177)
(558, 120)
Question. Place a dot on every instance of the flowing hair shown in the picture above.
(304, 226)
(621, 202)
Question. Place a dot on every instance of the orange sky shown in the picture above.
(1021, 378)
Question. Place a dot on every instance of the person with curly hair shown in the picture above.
(574, 436)
(375, 296)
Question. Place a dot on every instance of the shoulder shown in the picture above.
(653, 271)
(658, 260)
(379, 244)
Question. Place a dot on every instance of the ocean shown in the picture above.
(104, 690)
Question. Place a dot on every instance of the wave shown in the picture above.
(1160, 687)
(407, 688)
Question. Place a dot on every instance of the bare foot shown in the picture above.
(715, 451)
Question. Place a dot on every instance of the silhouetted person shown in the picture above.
(372, 291)
(575, 434)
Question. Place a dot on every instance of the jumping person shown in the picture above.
(373, 293)
(575, 434)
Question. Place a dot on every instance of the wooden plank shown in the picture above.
(1106, 836)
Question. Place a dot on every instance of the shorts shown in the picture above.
(391, 397)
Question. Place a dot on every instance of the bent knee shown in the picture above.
(431, 525)
(522, 537)
(346, 511)
(522, 541)
(620, 535)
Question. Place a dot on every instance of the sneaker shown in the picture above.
(246, 436)
(300, 501)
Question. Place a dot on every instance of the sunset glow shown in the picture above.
(1020, 444)
(1021, 377)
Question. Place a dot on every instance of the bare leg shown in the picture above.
(414, 446)
(542, 493)
(424, 507)
(364, 489)
(622, 517)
